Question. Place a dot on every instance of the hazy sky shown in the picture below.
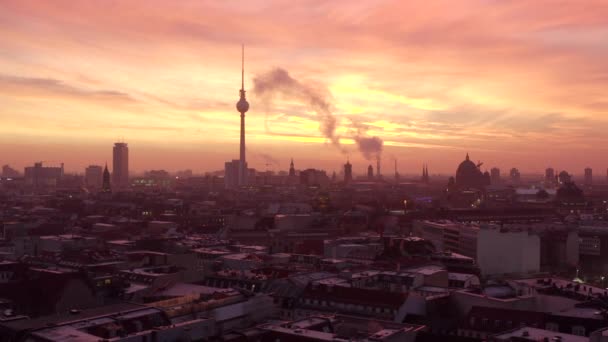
(514, 83)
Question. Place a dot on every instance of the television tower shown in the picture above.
(242, 107)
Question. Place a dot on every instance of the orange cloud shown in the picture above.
(513, 80)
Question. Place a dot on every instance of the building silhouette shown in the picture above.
(40, 176)
(515, 175)
(93, 176)
(495, 175)
(292, 170)
(348, 172)
(314, 177)
(370, 172)
(564, 177)
(231, 174)
(469, 176)
(425, 174)
(120, 165)
(9, 172)
(106, 186)
(397, 176)
(550, 176)
(588, 176)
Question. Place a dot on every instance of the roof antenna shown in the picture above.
(242, 66)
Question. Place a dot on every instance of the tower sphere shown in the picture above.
(242, 106)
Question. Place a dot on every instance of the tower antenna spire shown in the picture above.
(242, 106)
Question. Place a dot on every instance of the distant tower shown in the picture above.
(425, 174)
(378, 174)
(564, 177)
(550, 175)
(495, 175)
(487, 178)
(370, 172)
(106, 187)
(242, 107)
(348, 172)
(423, 177)
(292, 170)
(120, 165)
(515, 175)
(396, 172)
(588, 176)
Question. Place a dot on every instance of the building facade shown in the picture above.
(120, 166)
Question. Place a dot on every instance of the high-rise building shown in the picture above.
(588, 176)
(42, 176)
(370, 172)
(495, 175)
(231, 174)
(120, 165)
(93, 176)
(397, 177)
(564, 177)
(550, 175)
(242, 107)
(515, 175)
(348, 172)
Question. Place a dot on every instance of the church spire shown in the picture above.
(106, 187)
(292, 170)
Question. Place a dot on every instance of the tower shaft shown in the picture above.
(242, 158)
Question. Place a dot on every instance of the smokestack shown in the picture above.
(378, 174)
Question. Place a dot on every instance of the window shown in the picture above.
(552, 326)
(578, 330)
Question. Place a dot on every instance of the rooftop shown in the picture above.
(534, 334)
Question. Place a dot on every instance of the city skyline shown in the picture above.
(168, 84)
(304, 171)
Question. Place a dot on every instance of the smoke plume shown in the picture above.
(370, 147)
(278, 82)
(265, 157)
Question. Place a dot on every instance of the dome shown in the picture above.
(570, 192)
(468, 175)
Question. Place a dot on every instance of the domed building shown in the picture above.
(469, 176)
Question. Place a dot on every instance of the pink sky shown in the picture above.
(514, 83)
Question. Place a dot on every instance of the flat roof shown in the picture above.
(535, 334)
(46, 321)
